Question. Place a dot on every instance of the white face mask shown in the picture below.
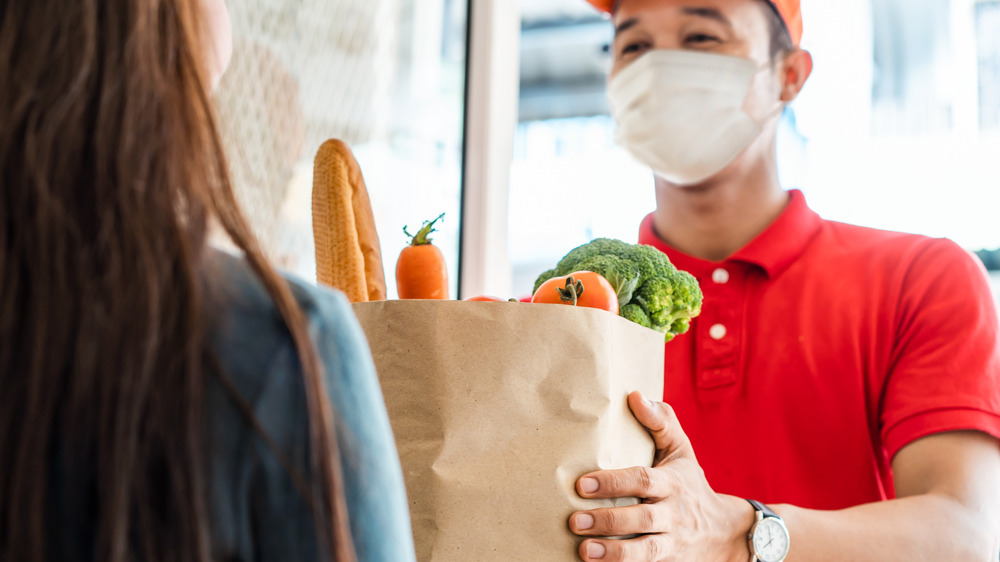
(681, 112)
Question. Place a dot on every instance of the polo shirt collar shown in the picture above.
(773, 250)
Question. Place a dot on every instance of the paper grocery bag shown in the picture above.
(498, 408)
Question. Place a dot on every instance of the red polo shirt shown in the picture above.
(822, 350)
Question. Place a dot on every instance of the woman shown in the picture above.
(159, 401)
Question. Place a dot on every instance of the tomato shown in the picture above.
(484, 298)
(597, 291)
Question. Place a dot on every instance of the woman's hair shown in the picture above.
(111, 169)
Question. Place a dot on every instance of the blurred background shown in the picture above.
(385, 76)
(898, 128)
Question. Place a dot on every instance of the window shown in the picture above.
(913, 87)
(988, 47)
(385, 76)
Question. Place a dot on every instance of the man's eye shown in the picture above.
(633, 48)
(701, 38)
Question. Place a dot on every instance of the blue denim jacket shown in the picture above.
(257, 513)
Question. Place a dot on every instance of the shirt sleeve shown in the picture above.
(373, 478)
(944, 373)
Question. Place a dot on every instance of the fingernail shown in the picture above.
(588, 485)
(584, 521)
(647, 401)
(595, 550)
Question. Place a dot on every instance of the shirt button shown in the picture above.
(720, 276)
(717, 332)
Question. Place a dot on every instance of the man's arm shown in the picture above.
(948, 492)
(948, 507)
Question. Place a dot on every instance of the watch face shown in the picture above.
(770, 540)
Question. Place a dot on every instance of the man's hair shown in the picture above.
(781, 38)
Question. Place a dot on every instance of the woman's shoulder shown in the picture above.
(247, 330)
(256, 352)
(236, 289)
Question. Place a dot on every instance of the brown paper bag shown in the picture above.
(498, 408)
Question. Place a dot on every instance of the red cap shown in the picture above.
(790, 10)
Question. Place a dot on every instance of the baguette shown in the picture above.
(348, 255)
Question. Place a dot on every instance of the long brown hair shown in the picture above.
(111, 169)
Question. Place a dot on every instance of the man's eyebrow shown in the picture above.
(710, 13)
(626, 25)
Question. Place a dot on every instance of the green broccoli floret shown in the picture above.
(636, 314)
(671, 301)
(651, 262)
(680, 326)
(662, 298)
(599, 247)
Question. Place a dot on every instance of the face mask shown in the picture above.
(681, 112)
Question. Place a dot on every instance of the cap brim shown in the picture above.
(606, 6)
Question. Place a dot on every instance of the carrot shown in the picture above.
(421, 272)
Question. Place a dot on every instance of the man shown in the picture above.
(847, 378)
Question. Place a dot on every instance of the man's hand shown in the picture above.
(680, 517)
(947, 507)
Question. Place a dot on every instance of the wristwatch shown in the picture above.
(768, 537)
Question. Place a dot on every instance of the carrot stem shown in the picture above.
(421, 237)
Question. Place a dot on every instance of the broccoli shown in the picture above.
(636, 314)
(652, 263)
(671, 301)
(599, 247)
(651, 291)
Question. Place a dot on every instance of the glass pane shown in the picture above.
(988, 47)
(912, 51)
(385, 76)
(898, 127)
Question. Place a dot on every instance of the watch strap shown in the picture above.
(763, 509)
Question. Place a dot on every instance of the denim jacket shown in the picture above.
(256, 511)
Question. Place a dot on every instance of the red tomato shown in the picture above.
(484, 298)
(596, 293)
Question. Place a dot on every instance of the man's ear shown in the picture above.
(796, 68)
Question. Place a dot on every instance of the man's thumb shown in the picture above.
(661, 421)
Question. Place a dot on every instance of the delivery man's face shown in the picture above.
(702, 94)
(725, 27)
